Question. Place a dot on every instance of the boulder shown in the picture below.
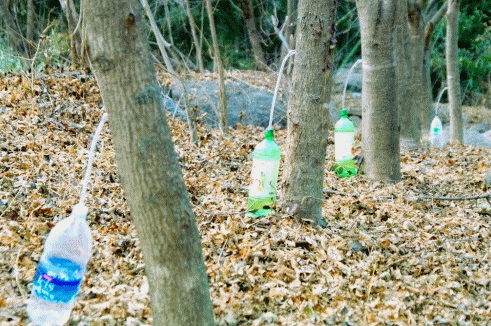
(246, 104)
(355, 81)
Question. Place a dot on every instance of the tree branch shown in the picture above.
(430, 25)
(482, 196)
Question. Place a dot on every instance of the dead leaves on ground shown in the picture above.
(380, 261)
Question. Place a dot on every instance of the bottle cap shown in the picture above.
(80, 211)
(269, 134)
(343, 113)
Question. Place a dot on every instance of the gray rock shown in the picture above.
(480, 127)
(246, 104)
(355, 81)
(487, 178)
(471, 137)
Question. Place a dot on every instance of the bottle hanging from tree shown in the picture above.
(344, 136)
(265, 166)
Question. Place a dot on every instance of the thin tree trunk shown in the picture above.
(153, 182)
(254, 35)
(308, 116)
(416, 30)
(453, 74)
(290, 28)
(71, 16)
(380, 124)
(408, 112)
(197, 45)
(160, 39)
(218, 64)
(290, 32)
(30, 25)
(15, 37)
(167, 19)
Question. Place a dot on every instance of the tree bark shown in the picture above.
(254, 35)
(218, 64)
(409, 116)
(308, 116)
(153, 182)
(197, 45)
(453, 74)
(380, 123)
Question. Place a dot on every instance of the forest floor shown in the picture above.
(413, 253)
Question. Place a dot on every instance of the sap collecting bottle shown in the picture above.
(61, 270)
(344, 135)
(265, 167)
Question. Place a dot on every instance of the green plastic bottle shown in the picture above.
(344, 135)
(265, 165)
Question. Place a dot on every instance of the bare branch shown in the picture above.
(430, 26)
(162, 43)
(482, 196)
(280, 32)
(232, 3)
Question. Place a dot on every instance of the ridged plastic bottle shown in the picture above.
(61, 270)
(344, 137)
(436, 134)
(265, 165)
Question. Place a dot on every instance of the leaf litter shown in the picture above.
(386, 257)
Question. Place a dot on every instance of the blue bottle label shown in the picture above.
(57, 280)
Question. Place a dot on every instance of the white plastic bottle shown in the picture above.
(61, 269)
(436, 133)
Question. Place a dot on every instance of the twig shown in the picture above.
(22, 291)
(487, 195)
(9, 204)
(483, 196)
(334, 192)
(137, 269)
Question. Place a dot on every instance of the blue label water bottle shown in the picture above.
(61, 270)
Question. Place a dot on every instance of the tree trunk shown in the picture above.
(254, 35)
(408, 112)
(218, 64)
(197, 45)
(308, 116)
(153, 182)
(290, 28)
(167, 20)
(30, 25)
(71, 16)
(380, 124)
(453, 74)
(416, 30)
(420, 31)
(162, 44)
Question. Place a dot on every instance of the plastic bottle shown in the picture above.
(61, 269)
(265, 165)
(344, 134)
(436, 135)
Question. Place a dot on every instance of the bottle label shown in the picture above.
(57, 280)
(343, 148)
(264, 178)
